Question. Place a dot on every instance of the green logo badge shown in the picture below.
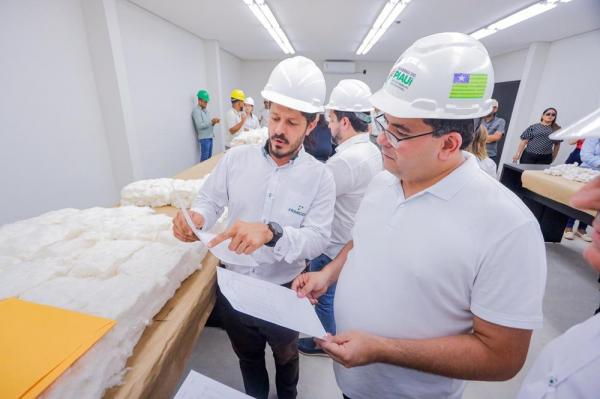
(401, 78)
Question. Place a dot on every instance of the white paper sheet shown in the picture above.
(220, 251)
(270, 302)
(198, 386)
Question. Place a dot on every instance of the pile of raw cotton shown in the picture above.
(161, 192)
(254, 136)
(119, 263)
(573, 172)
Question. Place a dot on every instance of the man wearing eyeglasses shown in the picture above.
(433, 289)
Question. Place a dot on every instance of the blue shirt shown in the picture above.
(590, 154)
(493, 126)
(202, 123)
(318, 143)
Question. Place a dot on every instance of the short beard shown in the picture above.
(279, 155)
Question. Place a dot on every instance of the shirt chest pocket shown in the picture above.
(293, 207)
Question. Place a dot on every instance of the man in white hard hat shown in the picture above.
(496, 127)
(355, 162)
(280, 202)
(264, 114)
(434, 289)
(569, 366)
(251, 119)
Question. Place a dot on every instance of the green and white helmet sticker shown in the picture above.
(401, 78)
(468, 85)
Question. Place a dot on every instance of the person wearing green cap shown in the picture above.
(204, 125)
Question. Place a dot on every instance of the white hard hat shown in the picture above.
(494, 102)
(442, 76)
(588, 126)
(296, 83)
(350, 95)
(249, 101)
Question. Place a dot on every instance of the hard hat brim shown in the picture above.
(399, 108)
(586, 127)
(337, 108)
(290, 102)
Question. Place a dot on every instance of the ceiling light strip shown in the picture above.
(517, 17)
(265, 16)
(386, 17)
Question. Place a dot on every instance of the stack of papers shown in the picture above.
(38, 343)
(197, 386)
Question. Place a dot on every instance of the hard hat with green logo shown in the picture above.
(351, 95)
(586, 127)
(297, 83)
(442, 76)
(237, 94)
(203, 95)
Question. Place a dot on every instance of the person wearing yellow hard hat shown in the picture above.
(444, 278)
(204, 125)
(280, 201)
(568, 367)
(235, 118)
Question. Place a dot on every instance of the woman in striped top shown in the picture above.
(536, 147)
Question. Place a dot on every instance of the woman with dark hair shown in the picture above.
(536, 147)
(318, 143)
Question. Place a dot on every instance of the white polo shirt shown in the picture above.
(568, 367)
(355, 162)
(423, 267)
(299, 196)
(232, 118)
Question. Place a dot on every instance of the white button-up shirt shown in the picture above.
(299, 196)
(355, 163)
(568, 367)
(422, 267)
(232, 118)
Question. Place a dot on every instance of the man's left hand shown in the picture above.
(245, 237)
(352, 348)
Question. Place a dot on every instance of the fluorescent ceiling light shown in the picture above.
(263, 13)
(386, 17)
(519, 16)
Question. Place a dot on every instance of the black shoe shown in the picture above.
(307, 347)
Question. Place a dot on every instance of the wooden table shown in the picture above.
(546, 196)
(161, 354)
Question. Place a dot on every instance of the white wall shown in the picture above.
(509, 66)
(53, 152)
(231, 78)
(568, 80)
(165, 68)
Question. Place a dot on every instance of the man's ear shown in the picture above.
(451, 143)
(311, 126)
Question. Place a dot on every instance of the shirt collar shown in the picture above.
(450, 185)
(359, 138)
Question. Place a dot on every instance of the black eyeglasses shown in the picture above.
(550, 114)
(392, 137)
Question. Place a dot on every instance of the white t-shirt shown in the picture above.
(264, 117)
(354, 164)
(251, 123)
(568, 367)
(489, 166)
(232, 118)
(423, 267)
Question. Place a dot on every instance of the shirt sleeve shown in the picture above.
(199, 122)
(527, 134)
(342, 175)
(213, 196)
(232, 119)
(501, 128)
(509, 287)
(311, 239)
(589, 156)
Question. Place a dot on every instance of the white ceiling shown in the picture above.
(333, 29)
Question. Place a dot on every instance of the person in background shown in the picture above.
(575, 158)
(318, 143)
(264, 114)
(374, 131)
(251, 119)
(235, 117)
(280, 202)
(355, 162)
(569, 366)
(536, 146)
(204, 125)
(495, 128)
(478, 148)
(420, 310)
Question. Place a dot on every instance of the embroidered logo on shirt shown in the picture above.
(298, 211)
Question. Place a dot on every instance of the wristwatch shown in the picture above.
(277, 233)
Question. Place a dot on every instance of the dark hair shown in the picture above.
(357, 124)
(309, 117)
(234, 100)
(464, 127)
(555, 126)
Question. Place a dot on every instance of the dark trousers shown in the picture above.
(574, 157)
(249, 336)
(530, 157)
(205, 149)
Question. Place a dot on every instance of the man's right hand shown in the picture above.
(311, 285)
(182, 231)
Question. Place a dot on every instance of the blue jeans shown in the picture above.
(205, 148)
(324, 307)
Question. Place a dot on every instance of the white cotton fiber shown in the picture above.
(573, 172)
(253, 136)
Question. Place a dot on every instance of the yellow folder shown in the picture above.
(38, 343)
